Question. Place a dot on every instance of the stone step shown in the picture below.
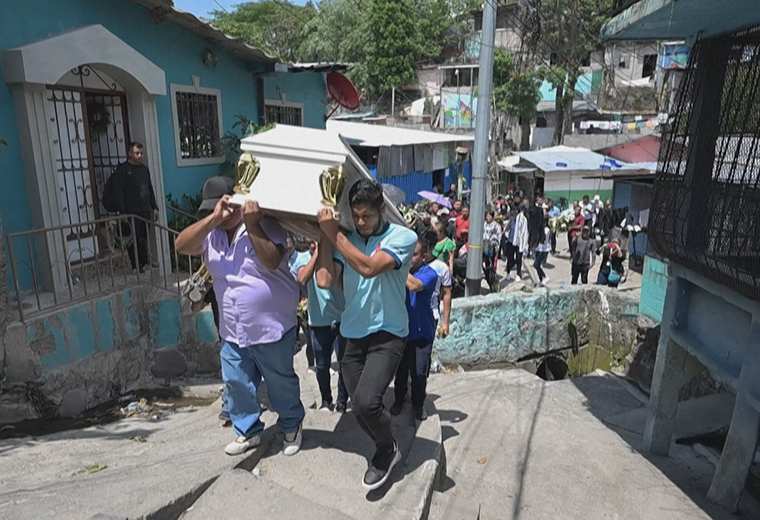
(242, 495)
(448, 506)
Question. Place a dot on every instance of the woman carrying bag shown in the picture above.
(611, 270)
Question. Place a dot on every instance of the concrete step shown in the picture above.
(335, 453)
(240, 494)
(453, 507)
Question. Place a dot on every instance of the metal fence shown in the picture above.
(59, 266)
(705, 210)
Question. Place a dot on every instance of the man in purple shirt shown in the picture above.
(257, 296)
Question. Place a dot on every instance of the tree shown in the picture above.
(516, 90)
(384, 40)
(275, 26)
(568, 30)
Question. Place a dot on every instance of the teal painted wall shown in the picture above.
(506, 327)
(307, 88)
(164, 323)
(654, 284)
(587, 85)
(172, 48)
(83, 330)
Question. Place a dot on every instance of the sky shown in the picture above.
(203, 7)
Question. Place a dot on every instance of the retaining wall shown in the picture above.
(506, 327)
(65, 362)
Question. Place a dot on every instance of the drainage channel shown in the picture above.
(157, 401)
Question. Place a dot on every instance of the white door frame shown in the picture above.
(29, 69)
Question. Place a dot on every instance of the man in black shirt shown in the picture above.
(133, 194)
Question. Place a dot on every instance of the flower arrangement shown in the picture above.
(302, 311)
(408, 213)
(561, 223)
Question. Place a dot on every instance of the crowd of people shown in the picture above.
(516, 228)
(377, 298)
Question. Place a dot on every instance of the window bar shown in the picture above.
(134, 248)
(81, 261)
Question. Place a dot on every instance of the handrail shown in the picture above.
(58, 273)
(182, 212)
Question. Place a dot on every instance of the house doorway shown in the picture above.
(89, 129)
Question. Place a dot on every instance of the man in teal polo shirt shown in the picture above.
(325, 309)
(371, 264)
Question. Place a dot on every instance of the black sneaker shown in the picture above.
(397, 407)
(340, 407)
(419, 413)
(326, 406)
(380, 469)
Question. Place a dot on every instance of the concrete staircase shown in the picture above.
(324, 479)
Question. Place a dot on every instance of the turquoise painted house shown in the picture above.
(83, 78)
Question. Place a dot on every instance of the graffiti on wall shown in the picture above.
(459, 110)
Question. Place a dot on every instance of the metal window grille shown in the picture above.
(198, 121)
(284, 115)
(706, 204)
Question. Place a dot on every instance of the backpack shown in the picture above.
(109, 197)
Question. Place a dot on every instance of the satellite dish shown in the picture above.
(342, 91)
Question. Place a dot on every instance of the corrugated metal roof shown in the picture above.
(163, 11)
(380, 135)
(566, 158)
(598, 142)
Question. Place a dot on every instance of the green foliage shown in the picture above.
(515, 91)
(242, 128)
(275, 26)
(384, 40)
(189, 205)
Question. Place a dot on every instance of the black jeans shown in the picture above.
(554, 242)
(514, 258)
(369, 365)
(304, 326)
(325, 340)
(582, 270)
(140, 233)
(541, 257)
(415, 362)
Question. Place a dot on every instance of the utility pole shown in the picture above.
(480, 154)
(393, 103)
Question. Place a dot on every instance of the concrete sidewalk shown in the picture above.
(520, 447)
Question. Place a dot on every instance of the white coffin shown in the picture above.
(287, 187)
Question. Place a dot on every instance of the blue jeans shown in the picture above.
(243, 369)
(415, 363)
(540, 259)
(325, 340)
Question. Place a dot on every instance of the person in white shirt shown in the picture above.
(442, 291)
(589, 211)
(517, 243)
(542, 252)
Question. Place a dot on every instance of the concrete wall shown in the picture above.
(632, 54)
(429, 80)
(654, 284)
(303, 88)
(574, 185)
(67, 361)
(505, 327)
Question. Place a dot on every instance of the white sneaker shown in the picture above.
(517, 278)
(311, 370)
(508, 277)
(545, 282)
(241, 445)
(539, 284)
(292, 443)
